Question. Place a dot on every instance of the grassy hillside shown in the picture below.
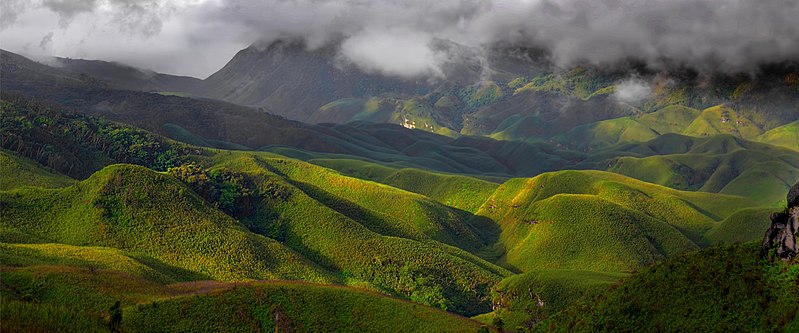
(671, 119)
(599, 221)
(433, 219)
(227, 126)
(745, 225)
(714, 290)
(722, 120)
(18, 172)
(343, 230)
(284, 306)
(786, 136)
(50, 297)
(522, 300)
(77, 145)
(402, 213)
(123, 207)
(719, 164)
(606, 133)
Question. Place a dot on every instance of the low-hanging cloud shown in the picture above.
(632, 91)
(395, 36)
(401, 53)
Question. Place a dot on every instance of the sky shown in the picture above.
(393, 37)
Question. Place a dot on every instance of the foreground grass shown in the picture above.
(291, 307)
(715, 290)
(522, 300)
(70, 299)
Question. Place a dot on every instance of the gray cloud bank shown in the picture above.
(398, 37)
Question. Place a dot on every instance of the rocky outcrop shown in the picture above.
(780, 240)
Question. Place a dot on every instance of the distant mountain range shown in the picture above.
(505, 94)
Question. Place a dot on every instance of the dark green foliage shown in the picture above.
(291, 307)
(420, 288)
(720, 289)
(522, 300)
(498, 323)
(114, 318)
(76, 144)
(233, 193)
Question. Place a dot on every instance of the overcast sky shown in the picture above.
(197, 37)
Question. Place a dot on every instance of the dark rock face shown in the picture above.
(781, 236)
(793, 196)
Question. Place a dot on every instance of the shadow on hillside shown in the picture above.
(481, 232)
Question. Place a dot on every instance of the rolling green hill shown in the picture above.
(46, 296)
(18, 172)
(293, 306)
(786, 136)
(715, 290)
(122, 207)
(342, 230)
(510, 199)
(599, 221)
(227, 126)
(744, 225)
(522, 300)
(719, 164)
(722, 120)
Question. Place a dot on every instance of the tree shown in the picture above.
(115, 317)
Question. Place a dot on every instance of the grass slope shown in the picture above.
(47, 297)
(786, 136)
(600, 221)
(522, 300)
(339, 231)
(719, 164)
(122, 206)
(715, 290)
(722, 120)
(749, 224)
(291, 307)
(410, 215)
(606, 133)
(19, 171)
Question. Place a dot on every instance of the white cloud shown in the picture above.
(401, 53)
(192, 36)
(632, 91)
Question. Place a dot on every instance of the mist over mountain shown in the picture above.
(705, 35)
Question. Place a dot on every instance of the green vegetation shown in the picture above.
(124, 207)
(47, 297)
(671, 119)
(714, 290)
(340, 227)
(720, 164)
(76, 144)
(18, 172)
(481, 94)
(606, 133)
(282, 306)
(722, 120)
(550, 221)
(745, 225)
(522, 300)
(785, 136)
(187, 238)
